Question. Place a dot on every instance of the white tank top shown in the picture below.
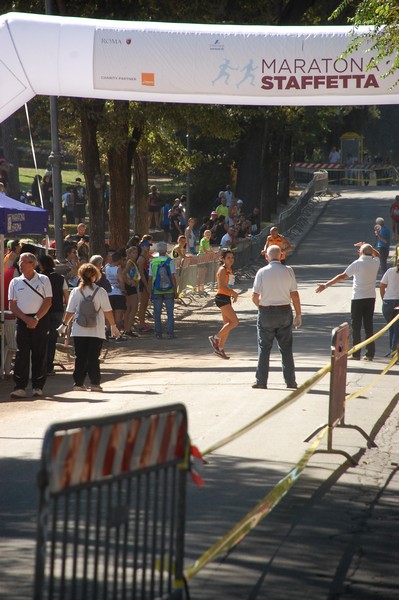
(112, 276)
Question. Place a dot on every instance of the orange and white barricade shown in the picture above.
(112, 507)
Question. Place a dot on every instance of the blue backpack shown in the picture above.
(163, 279)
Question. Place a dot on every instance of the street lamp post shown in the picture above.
(55, 162)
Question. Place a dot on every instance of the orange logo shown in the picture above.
(148, 79)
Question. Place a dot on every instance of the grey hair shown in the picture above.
(32, 257)
(96, 260)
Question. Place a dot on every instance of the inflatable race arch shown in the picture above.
(168, 62)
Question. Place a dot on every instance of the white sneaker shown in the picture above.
(96, 388)
(36, 392)
(79, 388)
(20, 393)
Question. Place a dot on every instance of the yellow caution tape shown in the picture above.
(302, 389)
(374, 381)
(266, 505)
(259, 512)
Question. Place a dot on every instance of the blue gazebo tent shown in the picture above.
(16, 220)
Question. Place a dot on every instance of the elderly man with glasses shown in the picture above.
(30, 297)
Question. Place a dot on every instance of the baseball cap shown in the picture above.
(213, 213)
(145, 243)
(240, 202)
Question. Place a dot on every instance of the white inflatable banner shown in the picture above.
(166, 62)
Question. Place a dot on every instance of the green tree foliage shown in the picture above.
(383, 37)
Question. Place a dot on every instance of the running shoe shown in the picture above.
(131, 334)
(79, 388)
(220, 352)
(121, 339)
(37, 392)
(214, 342)
(145, 329)
(96, 388)
(18, 393)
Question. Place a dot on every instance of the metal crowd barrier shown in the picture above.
(194, 271)
(289, 217)
(112, 507)
(320, 182)
(360, 175)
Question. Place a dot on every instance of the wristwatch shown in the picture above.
(36, 318)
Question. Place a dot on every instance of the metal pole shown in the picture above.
(188, 209)
(55, 162)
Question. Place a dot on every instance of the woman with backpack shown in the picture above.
(88, 326)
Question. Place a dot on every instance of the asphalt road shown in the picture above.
(334, 536)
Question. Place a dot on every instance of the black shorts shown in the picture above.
(222, 300)
(130, 289)
(118, 302)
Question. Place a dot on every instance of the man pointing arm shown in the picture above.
(364, 272)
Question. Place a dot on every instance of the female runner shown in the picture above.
(225, 293)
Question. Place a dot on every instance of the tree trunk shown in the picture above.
(269, 170)
(8, 130)
(265, 207)
(249, 176)
(272, 180)
(90, 115)
(119, 165)
(140, 193)
(285, 161)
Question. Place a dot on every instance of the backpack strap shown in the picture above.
(92, 296)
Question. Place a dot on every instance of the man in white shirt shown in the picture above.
(228, 194)
(274, 288)
(228, 238)
(334, 156)
(364, 272)
(30, 298)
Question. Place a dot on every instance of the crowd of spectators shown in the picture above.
(127, 274)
